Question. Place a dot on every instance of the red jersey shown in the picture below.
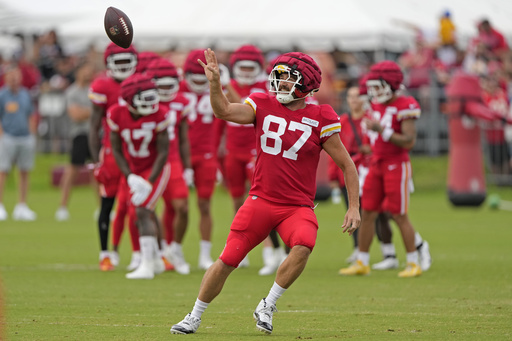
(176, 110)
(391, 116)
(201, 121)
(288, 147)
(105, 92)
(240, 138)
(138, 135)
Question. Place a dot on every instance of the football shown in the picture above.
(118, 27)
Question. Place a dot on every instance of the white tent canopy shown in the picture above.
(307, 25)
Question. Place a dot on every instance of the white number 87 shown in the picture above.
(276, 136)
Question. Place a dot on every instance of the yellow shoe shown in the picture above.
(411, 270)
(358, 268)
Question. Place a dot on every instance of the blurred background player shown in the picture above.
(246, 64)
(203, 147)
(79, 109)
(140, 146)
(105, 92)
(17, 140)
(144, 58)
(392, 133)
(354, 138)
(175, 214)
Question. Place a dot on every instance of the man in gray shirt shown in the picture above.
(79, 109)
(17, 140)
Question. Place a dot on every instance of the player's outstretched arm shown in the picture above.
(222, 108)
(341, 157)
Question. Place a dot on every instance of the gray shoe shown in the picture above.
(263, 316)
(188, 325)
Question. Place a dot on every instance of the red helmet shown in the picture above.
(383, 80)
(140, 93)
(144, 58)
(246, 62)
(300, 66)
(120, 62)
(194, 72)
(166, 76)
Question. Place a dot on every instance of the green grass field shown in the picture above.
(53, 290)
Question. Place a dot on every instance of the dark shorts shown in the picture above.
(80, 150)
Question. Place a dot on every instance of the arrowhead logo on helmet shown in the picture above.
(298, 70)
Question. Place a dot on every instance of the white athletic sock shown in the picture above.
(104, 254)
(412, 257)
(163, 244)
(176, 246)
(364, 257)
(199, 308)
(205, 247)
(275, 292)
(417, 240)
(147, 247)
(267, 254)
(388, 250)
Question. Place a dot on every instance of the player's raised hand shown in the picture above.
(211, 68)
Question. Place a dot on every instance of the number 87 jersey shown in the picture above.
(288, 148)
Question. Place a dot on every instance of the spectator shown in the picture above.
(492, 38)
(47, 52)
(79, 109)
(17, 140)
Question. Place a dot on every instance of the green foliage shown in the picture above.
(53, 289)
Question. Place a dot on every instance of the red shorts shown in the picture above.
(158, 186)
(108, 174)
(297, 225)
(176, 187)
(205, 175)
(387, 187)
(238, 168)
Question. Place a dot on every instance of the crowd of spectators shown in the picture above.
(428, 63)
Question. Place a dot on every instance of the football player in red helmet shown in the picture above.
(105, 92)
(290, 136)
(175, 215)
(392, 133)
(140, 146)
(145, 58)
(204, 139)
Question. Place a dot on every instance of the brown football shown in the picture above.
(118, 27)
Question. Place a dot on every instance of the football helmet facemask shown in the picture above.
(140, 94)
(166, 77)
(120, 63)
(246, 62)
(194, 72)
(295, 76)
(383, 80)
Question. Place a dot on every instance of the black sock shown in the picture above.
(104, 221)
(274, 238)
